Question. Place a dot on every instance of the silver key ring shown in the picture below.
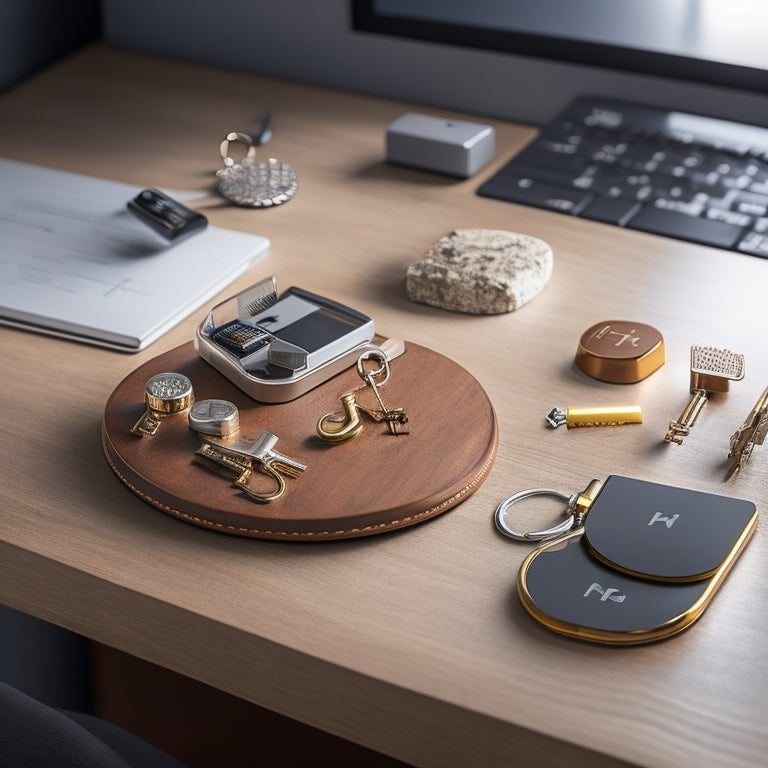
(548, 533)
(370, 376)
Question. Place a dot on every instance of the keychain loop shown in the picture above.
(548, 533)
(236, 137)
(370, 376)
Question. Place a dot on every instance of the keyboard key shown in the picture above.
(657, 221)
(610, 210)
(730, 217)
(527, 191)
(695, 208)
(754, 244)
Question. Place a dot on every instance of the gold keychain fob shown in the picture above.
(645, 568)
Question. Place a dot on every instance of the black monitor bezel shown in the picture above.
(366, 18)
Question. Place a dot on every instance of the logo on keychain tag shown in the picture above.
(661, 532)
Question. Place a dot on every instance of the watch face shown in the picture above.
(169, 386)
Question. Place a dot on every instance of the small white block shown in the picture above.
(453, 147)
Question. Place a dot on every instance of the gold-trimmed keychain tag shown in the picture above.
(633, 562)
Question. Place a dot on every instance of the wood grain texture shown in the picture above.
(413, 643)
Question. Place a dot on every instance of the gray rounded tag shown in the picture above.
(661, 532)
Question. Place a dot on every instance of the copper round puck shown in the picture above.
(620, 351)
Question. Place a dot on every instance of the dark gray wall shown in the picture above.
(34, 33)
(312, 40)
(44, 661)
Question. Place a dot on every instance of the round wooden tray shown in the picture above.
(372, 483)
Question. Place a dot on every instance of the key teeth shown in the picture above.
(677, 433)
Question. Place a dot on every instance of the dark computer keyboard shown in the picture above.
(670, 173)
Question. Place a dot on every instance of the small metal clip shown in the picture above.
(219, 418)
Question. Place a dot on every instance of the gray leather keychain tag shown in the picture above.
(563, 587)
(661, 532)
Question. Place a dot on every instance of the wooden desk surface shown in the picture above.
(412, 643)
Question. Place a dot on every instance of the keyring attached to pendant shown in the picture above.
(577, 506)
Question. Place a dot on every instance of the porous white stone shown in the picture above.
(480, 271)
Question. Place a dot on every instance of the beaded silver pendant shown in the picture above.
(251, 183)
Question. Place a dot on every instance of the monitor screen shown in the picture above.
(714, 42)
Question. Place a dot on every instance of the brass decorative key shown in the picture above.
(751, 433)
(712, 370)
(337, 426)
(246, 455)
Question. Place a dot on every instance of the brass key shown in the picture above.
(246, 456)
(711, 371)
(751, 433)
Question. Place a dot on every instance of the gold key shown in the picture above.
(245, 456)
(164, 395)
(376, 378)
(711, 371)
(751, 433)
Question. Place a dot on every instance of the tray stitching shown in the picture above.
(297, 534)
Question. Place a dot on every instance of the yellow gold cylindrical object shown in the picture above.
(608, 416)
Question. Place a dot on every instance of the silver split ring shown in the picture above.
(548, 533)
(383, 369)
